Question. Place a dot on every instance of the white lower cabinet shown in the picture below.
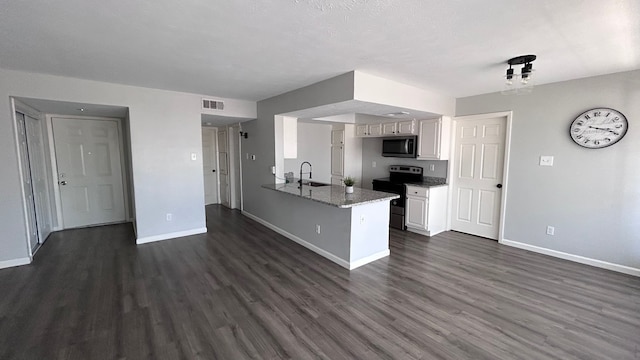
(426, 209)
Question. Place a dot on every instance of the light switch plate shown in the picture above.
(546, 160)
(194, 156)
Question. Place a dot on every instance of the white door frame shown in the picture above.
(54, 166)
(505, 172)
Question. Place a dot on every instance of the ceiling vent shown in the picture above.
(212, 104)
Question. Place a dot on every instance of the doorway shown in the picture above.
(210, 165)
(89, 157)
(478, 179)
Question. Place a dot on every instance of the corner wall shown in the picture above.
(591, 197)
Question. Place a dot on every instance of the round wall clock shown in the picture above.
(598, 128)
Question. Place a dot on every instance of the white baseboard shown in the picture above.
(173, 235)
(14, 262)
(575, 258)
(368, 259)
(345, 264)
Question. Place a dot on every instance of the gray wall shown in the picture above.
(371, 150)
(592, 197)
(314, 146)
(165, 127)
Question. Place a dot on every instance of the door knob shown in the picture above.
(499, 186)
(214, 170)
(63, 182)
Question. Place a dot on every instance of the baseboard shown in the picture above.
(173, 235)
(368, 259)
(575, 258)
(345, 264)
(14, 262)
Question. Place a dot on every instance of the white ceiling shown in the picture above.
(252, 50)
(76, 109)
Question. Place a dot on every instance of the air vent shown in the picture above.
(212, 104)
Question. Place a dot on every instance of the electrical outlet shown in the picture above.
(374, 164)
(253, 157)
(361, 219)
(551, 230)
(546, 160)
(432, 167)
(273, 170)
(194, 156)
(317, 229)
(169, 217)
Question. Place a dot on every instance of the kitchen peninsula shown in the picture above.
(348, 229)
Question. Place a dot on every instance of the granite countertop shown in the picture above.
(429, 181)
(333, 195)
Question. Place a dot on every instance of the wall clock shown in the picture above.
(598, 128)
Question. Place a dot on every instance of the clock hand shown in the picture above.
(605, 129)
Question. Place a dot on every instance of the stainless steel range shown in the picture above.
(398, 176)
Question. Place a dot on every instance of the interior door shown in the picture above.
(89, 171)
(210, 165)
(27, 183)
(39, 178)
(479, 160)
(223, 165)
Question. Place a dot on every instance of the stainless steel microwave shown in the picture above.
(405, 146)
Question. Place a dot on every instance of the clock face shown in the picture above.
(598, 128)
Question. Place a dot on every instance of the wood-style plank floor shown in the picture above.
(244, 292)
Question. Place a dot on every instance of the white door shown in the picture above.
(39, 178)
(337, 161)
(479, 160)
(223, 166)
(210, 165)
(89, 171)
(27, 183)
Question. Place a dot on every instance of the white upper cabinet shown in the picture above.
(375, 129)
(406, 127)
(386, 129)
(389, 128)
(433, 139)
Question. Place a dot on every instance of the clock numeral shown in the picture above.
(597, 142)
(616, 119)
(576, 130)
(596, 113)
(580, 123)
(579, 137)
(587, 117)
(618, 126)
(608, 114)
(607, 139)
(586, 141)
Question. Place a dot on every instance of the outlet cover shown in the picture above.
(551, 230)
(546, 160)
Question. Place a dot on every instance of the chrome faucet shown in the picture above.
(310, 169)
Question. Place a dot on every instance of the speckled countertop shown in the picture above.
(333, 195)
(427, 181)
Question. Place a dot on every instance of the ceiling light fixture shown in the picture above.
(399, 113)
(81, 109)
(525, 85)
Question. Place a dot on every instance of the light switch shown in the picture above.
(194, 156)
(546, 160)
(253, 157)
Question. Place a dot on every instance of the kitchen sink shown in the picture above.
(314, 184)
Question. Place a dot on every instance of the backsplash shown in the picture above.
(371, 152)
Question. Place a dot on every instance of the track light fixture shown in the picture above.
(244, 134)
(525, 85)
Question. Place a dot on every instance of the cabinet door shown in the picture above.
(416, 216)
(337, 161)
(362, 130)
(405, 127)
(389, 128)
(337, 137)
(429, 140)
(375, 130)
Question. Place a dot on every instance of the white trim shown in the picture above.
(575, 258)
(367, 259)
(345, 264)
(173, 235)
(505, 167)
(14, 262)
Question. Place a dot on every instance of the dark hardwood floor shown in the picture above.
(243, 291)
